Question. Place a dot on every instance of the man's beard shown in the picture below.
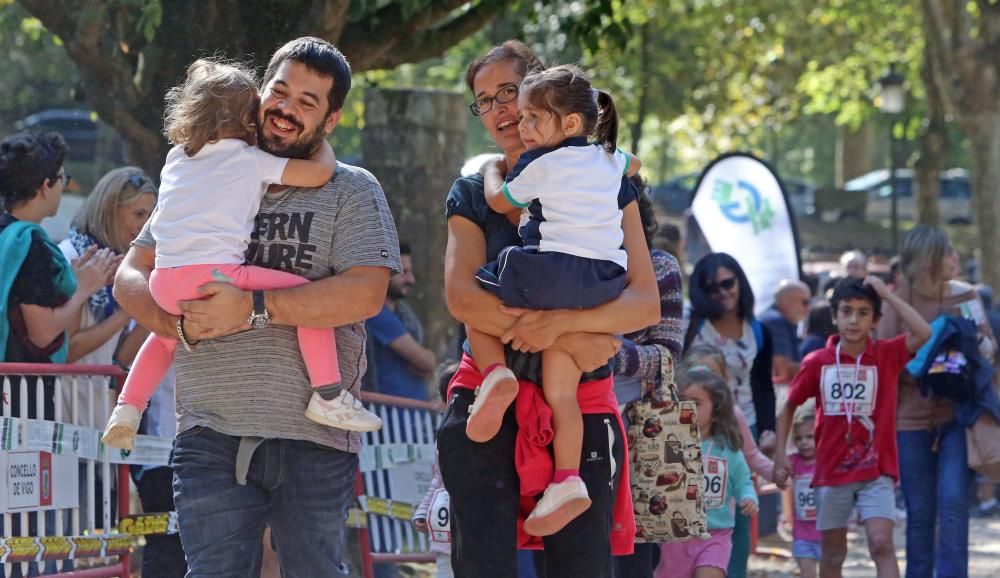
(397, 293)
(301, 148)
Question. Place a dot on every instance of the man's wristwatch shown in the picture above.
(259, 317)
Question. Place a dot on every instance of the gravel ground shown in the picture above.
(984, 554)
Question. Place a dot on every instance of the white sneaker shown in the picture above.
(493, 397)
(122, 427)
(560, 504)
(344, 412)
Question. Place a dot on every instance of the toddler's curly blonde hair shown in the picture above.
(217, 100)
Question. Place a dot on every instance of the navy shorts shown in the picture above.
(533, 280)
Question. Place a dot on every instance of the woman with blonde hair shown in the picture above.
(111, 217)
(932, 453)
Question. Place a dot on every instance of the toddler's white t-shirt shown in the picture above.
(208, 202)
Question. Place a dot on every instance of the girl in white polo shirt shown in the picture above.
(571, 192)
(211, 188)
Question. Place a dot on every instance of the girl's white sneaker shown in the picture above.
(122, 427)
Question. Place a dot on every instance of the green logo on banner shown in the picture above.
(741, 203)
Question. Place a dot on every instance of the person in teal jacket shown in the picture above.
(726, 482)
(40, 292)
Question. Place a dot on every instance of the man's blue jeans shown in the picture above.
(301, 489)
(935, 482)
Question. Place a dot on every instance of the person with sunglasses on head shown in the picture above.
(782, 318)
(722, 306)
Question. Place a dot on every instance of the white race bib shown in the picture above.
(849, 391)
(805, 499)
(439, 517)
(714, 482)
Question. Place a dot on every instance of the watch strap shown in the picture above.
(258, 302)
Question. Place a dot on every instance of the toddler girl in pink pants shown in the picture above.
(211, 188)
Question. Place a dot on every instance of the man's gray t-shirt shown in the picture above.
(255, 383)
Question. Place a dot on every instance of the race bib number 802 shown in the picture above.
(846, 390)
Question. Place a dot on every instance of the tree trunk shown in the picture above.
(853, 153)
(933, 147)
(414, 143)
(643, 105)
(983, 132)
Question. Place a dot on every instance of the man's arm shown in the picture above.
(419, 358)
(343, 299)
(131, 291)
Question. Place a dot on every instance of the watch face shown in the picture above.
(260, 321)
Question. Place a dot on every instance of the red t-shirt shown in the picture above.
(864, 395)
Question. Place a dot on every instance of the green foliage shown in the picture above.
(37, 72)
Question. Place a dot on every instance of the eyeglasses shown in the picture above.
(724, 285)
(65, 178)
(485, 104)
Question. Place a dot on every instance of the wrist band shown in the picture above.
(180, 334)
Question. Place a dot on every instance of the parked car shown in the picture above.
(954, 204)
(674, 196)
(94, 149)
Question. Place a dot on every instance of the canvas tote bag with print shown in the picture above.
(664, 448)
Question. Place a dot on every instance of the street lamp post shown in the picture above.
(892, 101)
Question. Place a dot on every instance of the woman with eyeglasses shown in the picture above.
(722, 316)
(41, 290)
(490, 483)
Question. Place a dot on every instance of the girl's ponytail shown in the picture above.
(606, 131)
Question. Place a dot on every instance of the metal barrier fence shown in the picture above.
(58, 480)
(395, 472)
(57, 477)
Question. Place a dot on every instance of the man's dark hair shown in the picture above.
(850, 288)
(321, 57)
(28, 159)
(404, 248)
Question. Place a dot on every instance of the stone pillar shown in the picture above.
(414, 143)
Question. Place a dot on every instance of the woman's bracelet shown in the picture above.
(180, 334)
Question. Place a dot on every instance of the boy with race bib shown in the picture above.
(854, 380)
(726, 481)
(806, 539)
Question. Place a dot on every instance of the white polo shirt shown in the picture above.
(571, 196)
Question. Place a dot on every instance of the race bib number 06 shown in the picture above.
(714, 482)
(805, 499)
(849, 391)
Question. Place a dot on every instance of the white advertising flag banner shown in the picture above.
(741, 210)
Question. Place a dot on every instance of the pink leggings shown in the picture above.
(169, 286)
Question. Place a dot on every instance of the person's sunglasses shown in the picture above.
(485, 104)
(65, 178)
(724, 285)
(137, 181)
